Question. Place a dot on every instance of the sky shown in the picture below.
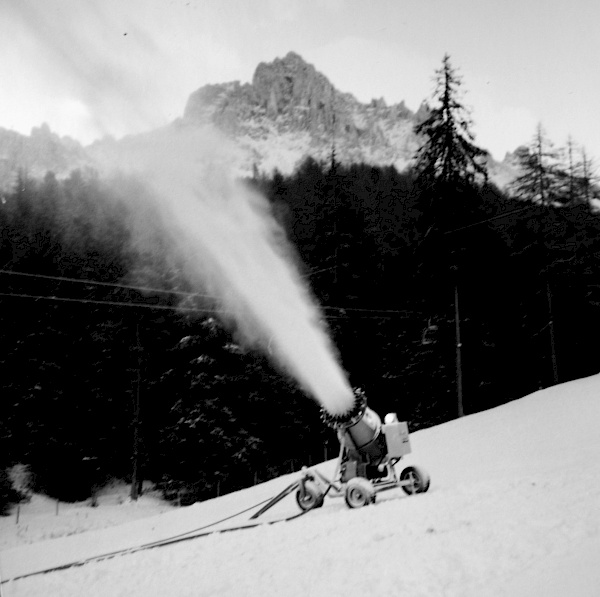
(90, 68)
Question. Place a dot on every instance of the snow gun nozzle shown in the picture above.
(348, 418)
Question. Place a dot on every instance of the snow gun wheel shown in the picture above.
(359, 492)
(416, 479)
(311, 497)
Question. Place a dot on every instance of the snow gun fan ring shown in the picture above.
(350, 417)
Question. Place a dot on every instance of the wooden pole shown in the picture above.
(135, 476)
(552, 338)
(459, 383)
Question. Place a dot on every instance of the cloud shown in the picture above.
(498, 127)
(283, 11)
(87, 53)
(373, 69)
(331, 5)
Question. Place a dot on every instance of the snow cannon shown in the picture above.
(369, 451)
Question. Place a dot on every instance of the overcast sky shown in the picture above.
(94, 67)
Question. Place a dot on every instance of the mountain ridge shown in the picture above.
(288, 112)
(289, 99)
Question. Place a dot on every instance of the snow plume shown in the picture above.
(232, 248)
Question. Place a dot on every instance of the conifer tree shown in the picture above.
(582, 181)
(449, 167)
(573, 172)
(543, 177)
(448, 155)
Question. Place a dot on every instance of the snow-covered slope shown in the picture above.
(514, 509)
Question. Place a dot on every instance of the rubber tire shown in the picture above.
(359, 492)
(420, 480)
(313, 497)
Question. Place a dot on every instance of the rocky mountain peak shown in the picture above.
(293, 87)
(290, 111)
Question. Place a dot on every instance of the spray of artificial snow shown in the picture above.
(234, 250)
(224, 233)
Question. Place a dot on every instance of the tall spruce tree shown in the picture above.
(449, 168)
(546, 181)
(448, 156)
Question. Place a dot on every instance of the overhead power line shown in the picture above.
(65, 299)
(496, 217)
(560, 212)
(341, 311)
(147, 289)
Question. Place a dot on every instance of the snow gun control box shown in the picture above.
(397, 439)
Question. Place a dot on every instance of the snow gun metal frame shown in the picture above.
(365, 465)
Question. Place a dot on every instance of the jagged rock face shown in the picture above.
(293, 88)
(291, 111)
(37, 154)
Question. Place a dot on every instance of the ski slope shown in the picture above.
(513, 510)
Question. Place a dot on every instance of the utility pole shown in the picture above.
(552, 339)
(333, 172)
(135, 476)
(459, 388)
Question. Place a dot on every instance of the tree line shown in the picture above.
(443, 294)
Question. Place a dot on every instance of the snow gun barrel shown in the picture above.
(359, 428)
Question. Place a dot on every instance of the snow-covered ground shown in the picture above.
(513, 510)
(42, 518)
